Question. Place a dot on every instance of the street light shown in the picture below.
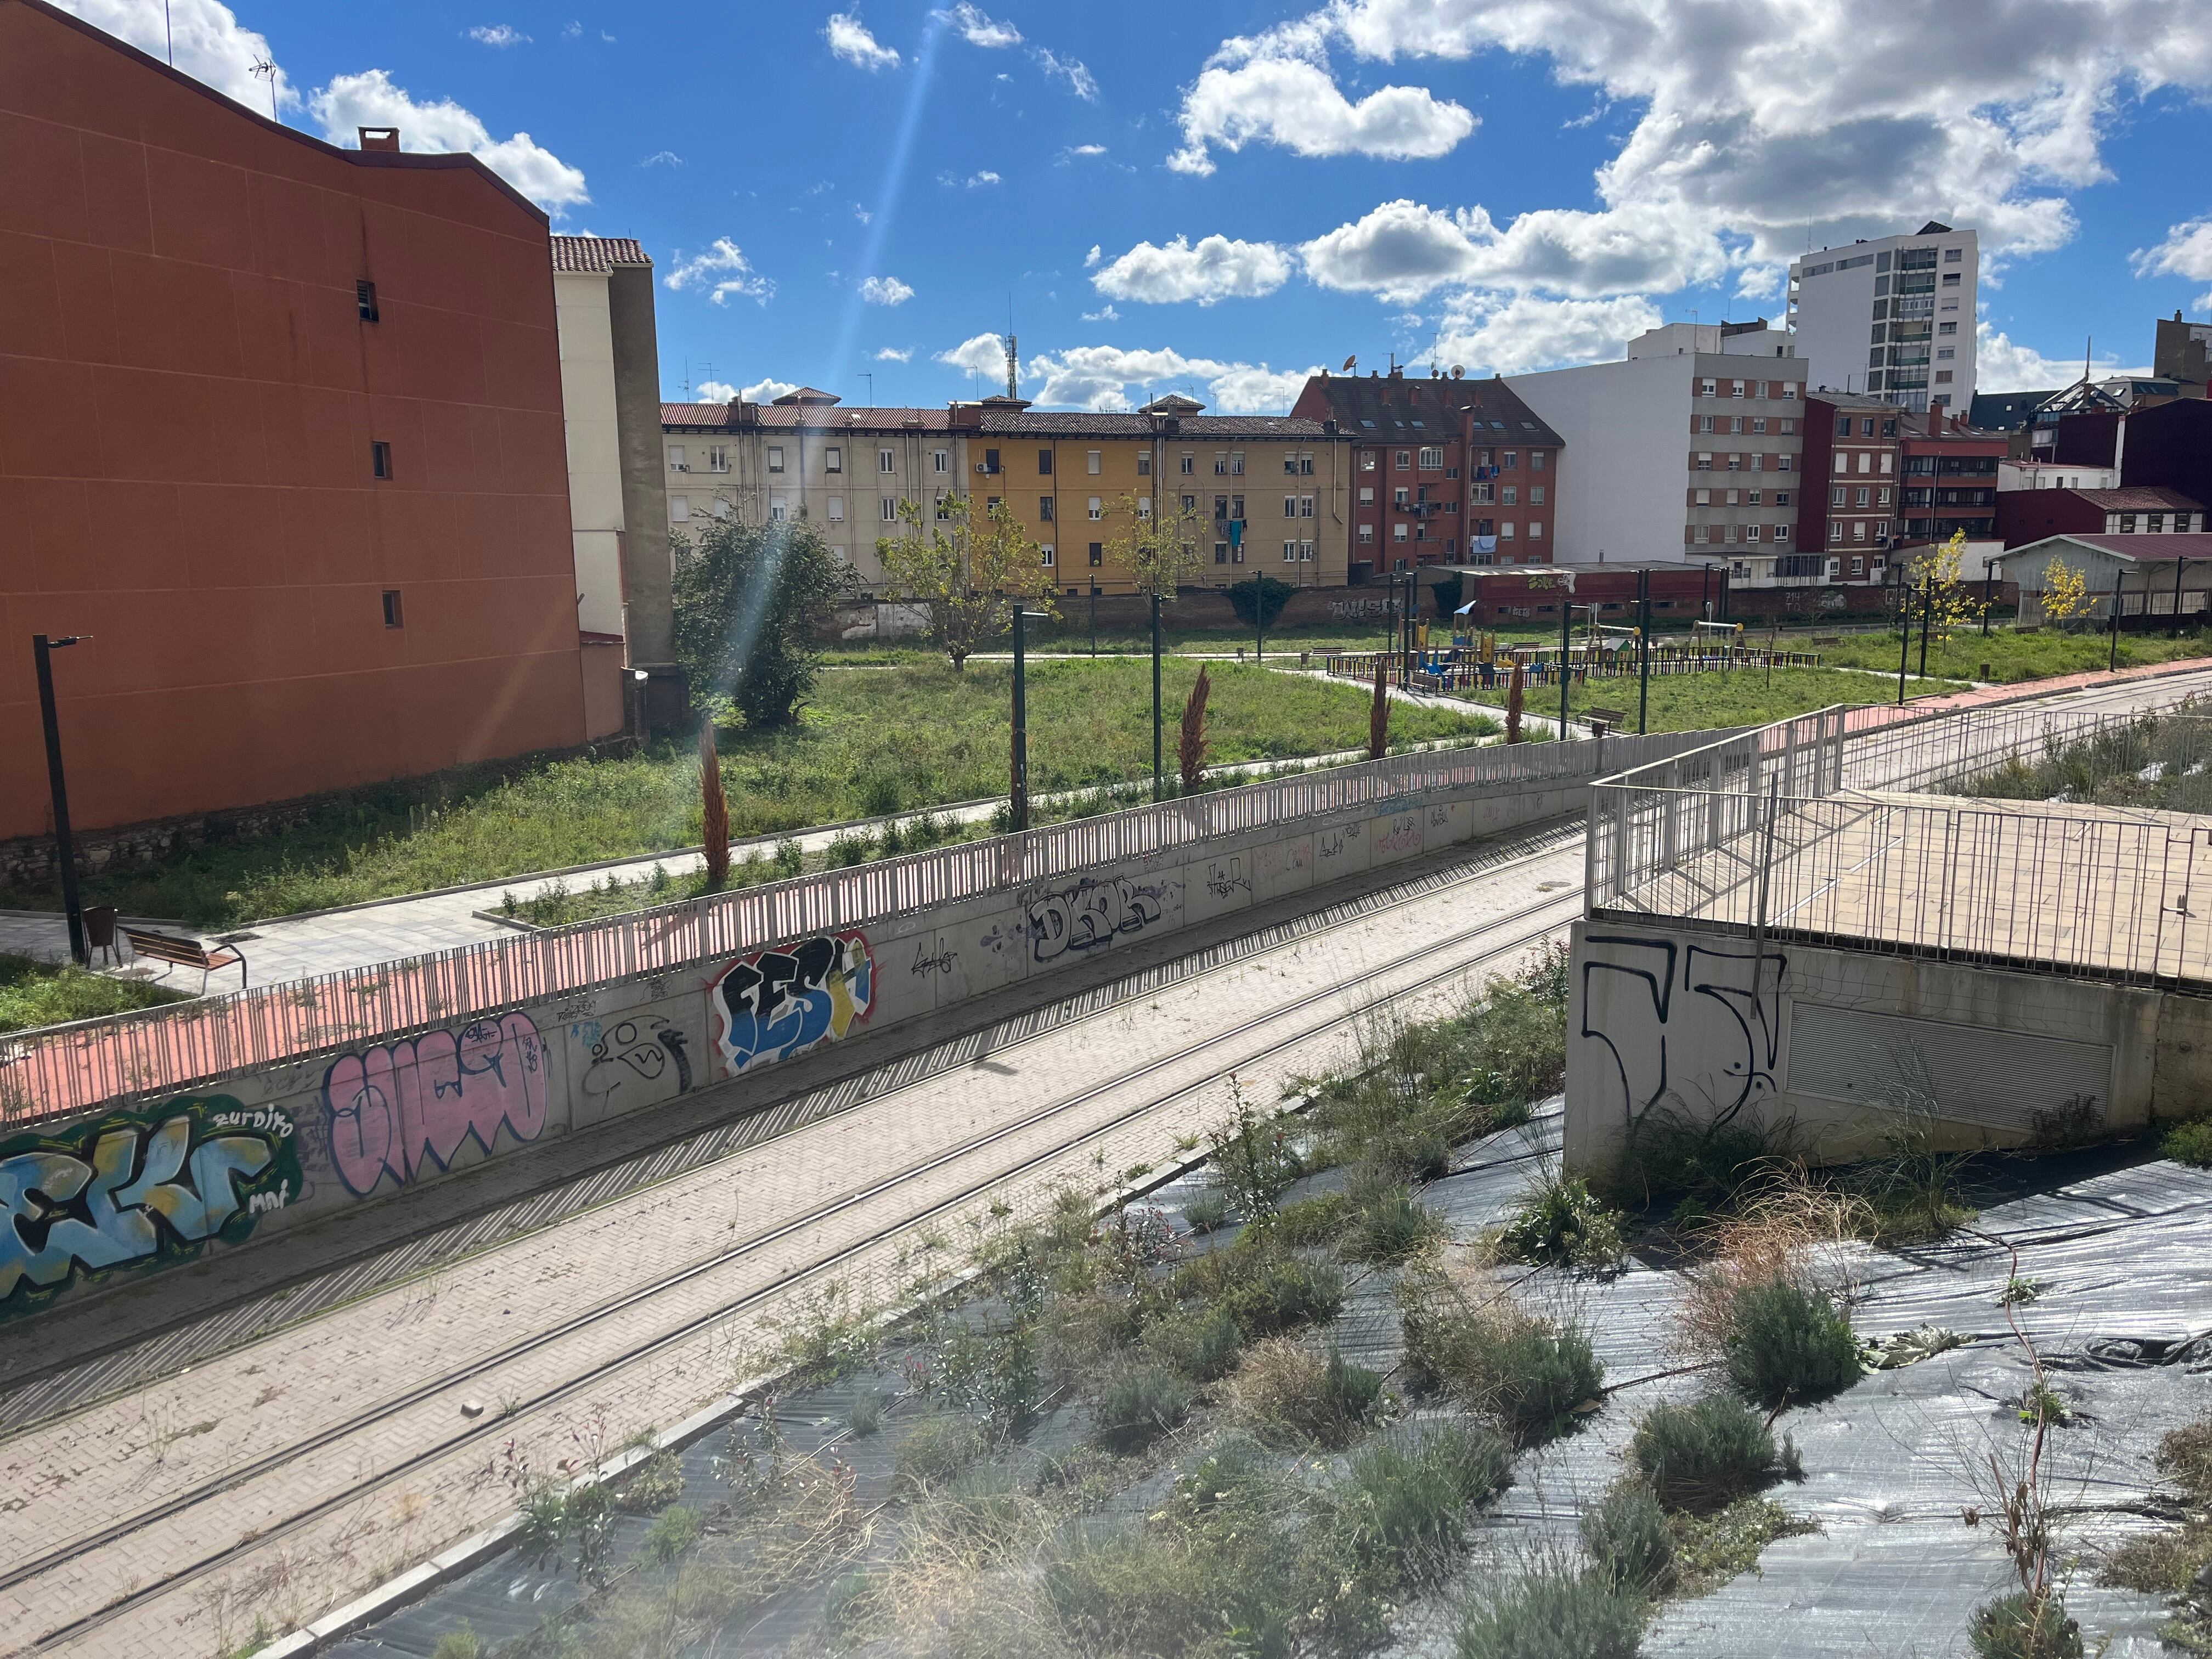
(42, 650)
(1020, 792)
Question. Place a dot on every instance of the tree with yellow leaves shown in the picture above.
(969, 574)
(2066, 596)
(1951, 604)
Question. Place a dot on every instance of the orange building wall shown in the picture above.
(187, 399)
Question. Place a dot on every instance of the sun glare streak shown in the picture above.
(887, 200)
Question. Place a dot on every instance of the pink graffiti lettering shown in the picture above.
(400, 1104)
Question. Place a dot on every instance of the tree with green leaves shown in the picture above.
(1160, 552)
(967, 572)
(752, 601)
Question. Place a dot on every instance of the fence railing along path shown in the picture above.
(1799, 830)
(64, 1069)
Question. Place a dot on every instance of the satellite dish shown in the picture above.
(1458, 373)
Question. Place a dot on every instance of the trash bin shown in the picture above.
(100, 929)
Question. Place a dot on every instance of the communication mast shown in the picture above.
(1013, 367)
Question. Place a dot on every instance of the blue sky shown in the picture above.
(1221, 196)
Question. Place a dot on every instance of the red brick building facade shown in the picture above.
(281, 429)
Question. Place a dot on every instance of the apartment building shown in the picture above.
(1894, 318)
(1446, 470)
(1699, 432)
(2025, 516)
(1847, 510)
(1949, 474)
(2181, 352)
(1270, 490)
(281, 430)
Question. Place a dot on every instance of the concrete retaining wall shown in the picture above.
(273, 1150)
(1702, 1025)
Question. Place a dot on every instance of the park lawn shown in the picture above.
(1741, 696)
(874, 741)
(34, 993)
(2013, 657)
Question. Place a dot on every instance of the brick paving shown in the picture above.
(230, 1432)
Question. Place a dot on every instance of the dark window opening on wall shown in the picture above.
(364, 299)
(380, 459)
(391, 615)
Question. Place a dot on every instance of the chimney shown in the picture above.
(378, 138)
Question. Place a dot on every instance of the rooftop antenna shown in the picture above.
(870, 379)
(1013, 366)
(260, 66)
(169, 28)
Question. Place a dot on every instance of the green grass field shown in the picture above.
(1690, 702)
(2011, 657)
(874, 741)
(34, 993)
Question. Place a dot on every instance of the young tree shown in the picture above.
(750, 600)
(2066, 596)
(1953, 604)
(1159, 551)
(1191, 750)
(1378, 714)
(714, 811)
(969, 575)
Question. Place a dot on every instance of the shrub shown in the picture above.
(1390, 1227)
(1201, 1345)
(1263, 1287)
(1534, 1378)
(1629, 1541)
(654, 1484)
(1401, 1505)
(1127, 1591)
(866, 1417)
(1790, 1343)
(1668, 1153)
(1292, 1390)
(1207, 1212)
(459, 1643)
(2190, 1143)
(672, 1534)
(1139, 1404)
(1703, 1455)
(1317, 1220)
(2017, 1627)
(934, 1448)
(1554, 1613)
(1562, 1224)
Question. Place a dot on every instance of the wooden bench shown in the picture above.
(186, 953)
(1604, 720)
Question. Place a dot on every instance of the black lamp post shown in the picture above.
(1643, 690)
(1157, 753)
(1019, 794)
(42, 650)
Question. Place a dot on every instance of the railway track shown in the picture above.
(191, 1534)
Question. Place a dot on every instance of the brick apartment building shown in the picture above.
(1445, 470)
(1950, 481)
(281, 429)
(1847, 512)
(2029, 515)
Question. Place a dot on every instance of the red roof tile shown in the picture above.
(596, 254)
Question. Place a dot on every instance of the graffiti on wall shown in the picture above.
(1402, 836)
(136, 1189)
(775, 1004)
(642, 1055)
(1682, 1026)
(1353, 609)
(1093, 913)
(396, 1107)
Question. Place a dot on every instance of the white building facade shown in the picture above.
(1893, 319)
(1691, 446)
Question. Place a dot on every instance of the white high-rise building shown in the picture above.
(1894, 318)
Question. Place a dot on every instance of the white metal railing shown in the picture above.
(1797, 829)
(70, 1068)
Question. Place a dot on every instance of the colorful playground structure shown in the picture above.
(1476, 660)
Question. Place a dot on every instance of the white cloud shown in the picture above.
(979, 354)
(1092, 257)
(723, 269)
(716, 391)
(849, 39)
(572, 31)
(896, 354)
(662, 158)
(371, 99)
(1216, 268)
(1080, 80)
(1509, 334)
(496, 34)
(2001, 365)
(885, 291)
(212, 45)
(1761, 281)
(975, 28)
(764, 391)
(1104, 314)
(1074, 150)
(1105, 377)
(1403, 250)
(973, 181)
(1277, 89)
(2186, 251)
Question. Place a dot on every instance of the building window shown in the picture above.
(718, 459)
(833, 459)
(1704, 462)
(774, 458)
(1782, 532)
(1236, 466)
(1097, 507)
(1405, 460)
(1044, 462)
(1398, 532)
(1220, 465)
(836, 509)
(391, 618)
(1091, 462)
(1044, 509)
(1835, 530)
(1367, 532)
(1511, 462)
(1860, 498)
(1536, 459)
(1781, 463)
(940, 460)
(1751, 532)
(722, 506)
(1305, 552)
(1701, 533)
(679, 510)
(1290, 507)
(1401, 496)
(1535, 528)
(1536, 495)
(1511, 495)
(1144, 463)
(364, 299)
(676, 463)
(779, 509)
(1432, 460)
(1305, 507)
(1858, 565)
(990, 467)
(1046, 557)
(1097, 550)
(1947, 328)
(1221, 552)
(1505, 531)
(380, 459)
(1735, 463)
(1289, 552)
(888, 508)
(1189, 462)
(1706, 388)
(1366, 460)
(1190, 503)
(1144, 507)
(945, 504)
(1950, 279)
(1367, 495)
